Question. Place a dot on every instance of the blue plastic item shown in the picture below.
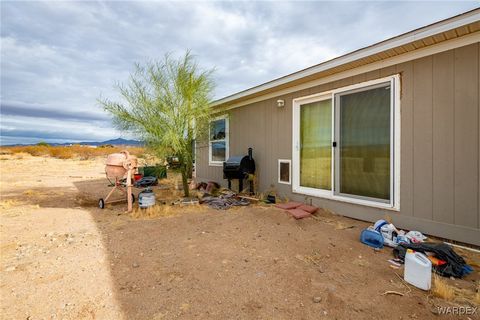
(372, 238)
(466, 269)
(379, 224)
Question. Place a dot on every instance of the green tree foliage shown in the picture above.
(166, 104)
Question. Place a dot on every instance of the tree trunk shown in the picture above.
(190, 152)
(184, 170)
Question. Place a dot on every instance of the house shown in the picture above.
(390, 129)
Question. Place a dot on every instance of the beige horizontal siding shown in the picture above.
(440, 144)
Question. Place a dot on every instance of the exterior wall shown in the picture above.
(440, 145)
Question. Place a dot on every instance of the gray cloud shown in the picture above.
(58, 135)
(34, 111)
(57, 58)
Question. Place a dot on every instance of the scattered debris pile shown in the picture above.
(445, 261)
(421, 255)
(219, 198)
(224, 201)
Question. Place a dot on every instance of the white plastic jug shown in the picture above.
(418, 270)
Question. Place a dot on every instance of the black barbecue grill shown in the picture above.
(239, 168)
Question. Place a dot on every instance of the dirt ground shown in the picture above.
(63, 258)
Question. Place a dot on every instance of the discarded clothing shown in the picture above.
(455, 265)
(415, 236)
(224, 202)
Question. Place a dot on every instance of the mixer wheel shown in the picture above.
(101, 203)
(133, 198)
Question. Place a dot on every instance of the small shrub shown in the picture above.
(61, 152)
(37, 151)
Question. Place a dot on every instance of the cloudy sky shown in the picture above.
(58, 57)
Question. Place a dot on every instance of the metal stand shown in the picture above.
(129, 191)
(126, 190)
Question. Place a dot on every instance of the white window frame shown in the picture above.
(296, 187)
(280, 161)
(394, 203)
(227, 142)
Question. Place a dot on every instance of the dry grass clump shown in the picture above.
(442, 289)
(86, 200)
(9, 203)
(159, 211)
(33, 193)
(70, 152)
(447, 292)
(61, 153)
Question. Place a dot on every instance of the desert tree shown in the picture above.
(166, 104)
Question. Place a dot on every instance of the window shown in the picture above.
(284, 171)
(347, 143)
(218, 141)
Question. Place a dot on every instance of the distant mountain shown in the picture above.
(115, 142)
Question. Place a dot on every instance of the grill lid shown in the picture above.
(233, 161)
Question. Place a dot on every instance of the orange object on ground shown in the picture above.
(436, 261)
(288, 205)
(298, 214)
(309, 209)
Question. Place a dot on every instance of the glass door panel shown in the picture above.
(364, 143)
(315, 145)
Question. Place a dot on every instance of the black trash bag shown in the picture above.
(455, 263)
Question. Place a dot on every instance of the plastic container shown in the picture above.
(146, 199)
(371, 238)
(389, 233)
(418, 270)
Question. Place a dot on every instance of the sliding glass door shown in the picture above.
(363, 152)
(346, 144)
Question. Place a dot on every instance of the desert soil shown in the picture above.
(63, 258)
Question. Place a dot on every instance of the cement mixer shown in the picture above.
(118, 167)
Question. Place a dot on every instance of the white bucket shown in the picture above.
(418, 270)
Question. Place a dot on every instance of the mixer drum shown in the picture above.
(114, 167)
(116, 159)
